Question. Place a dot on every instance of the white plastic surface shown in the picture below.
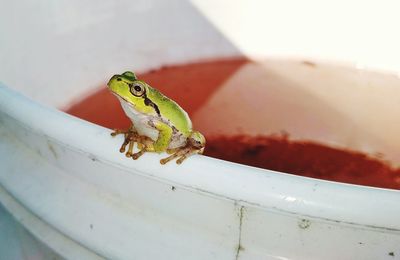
(205, 208)
(93, 202)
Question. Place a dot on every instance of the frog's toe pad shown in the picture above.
(136, 156)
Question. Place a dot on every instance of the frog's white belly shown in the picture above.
(143, 125)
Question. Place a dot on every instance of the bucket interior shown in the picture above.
(296, 116)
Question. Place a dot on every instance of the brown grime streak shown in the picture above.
(309, 63)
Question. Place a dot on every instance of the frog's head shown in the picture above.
(198, 141)
(130, 89)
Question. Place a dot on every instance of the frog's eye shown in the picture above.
(137, 89)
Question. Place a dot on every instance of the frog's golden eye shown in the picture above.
(137, 89)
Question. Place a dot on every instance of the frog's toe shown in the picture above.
(175, 154)
(130, 149)
(180, 160)
(136, 156)
(185, 154)
(188, 151)
(116, 132)
(129, 131)
(123, 146)
(169, 158)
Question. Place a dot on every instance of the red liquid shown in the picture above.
(269, 152)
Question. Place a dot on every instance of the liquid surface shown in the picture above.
(305, 159)
(191, 85)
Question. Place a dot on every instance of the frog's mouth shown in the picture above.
(147, 102)
(124, 100)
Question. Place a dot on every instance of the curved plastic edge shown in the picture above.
(248, 185)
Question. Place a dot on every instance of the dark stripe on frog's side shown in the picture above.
(150, 103)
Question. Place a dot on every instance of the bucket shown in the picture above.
(64, 184)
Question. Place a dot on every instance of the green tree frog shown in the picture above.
(158, 123)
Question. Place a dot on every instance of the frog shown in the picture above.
(159, 124)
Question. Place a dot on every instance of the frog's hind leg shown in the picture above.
(170, 158)
(130, 148)
(188, 151)
(182, 153)
(194, 145)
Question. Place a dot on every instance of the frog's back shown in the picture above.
(171, 111)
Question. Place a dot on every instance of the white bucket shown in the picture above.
(63, 180)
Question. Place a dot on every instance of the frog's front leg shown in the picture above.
(131, 129)
(130, 136)
(146, 144)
